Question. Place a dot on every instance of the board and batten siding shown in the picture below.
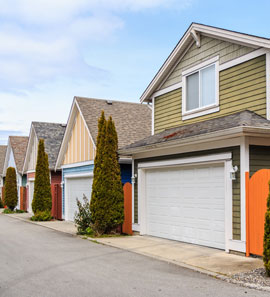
(210, 47)
(259, 158)
(242, 87)
(33, 155)
(80, 146)
(236, 183)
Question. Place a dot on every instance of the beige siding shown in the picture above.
(242, 87)
(80, 146)
(210, 47)
(33, 155)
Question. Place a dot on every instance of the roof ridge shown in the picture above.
(113, 100)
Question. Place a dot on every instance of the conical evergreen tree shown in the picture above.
(107, 202)
(42, 201)
(11, 193)
(266, 239)
(98, 187)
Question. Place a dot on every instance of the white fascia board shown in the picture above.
(167, 90)
(66, 136)
(79, 164)
(125, 160)
(218, 135)
(237, 37)
(28, 150)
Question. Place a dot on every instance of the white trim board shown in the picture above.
(79, 164)
(78, 175)
(189, 160)
(267, 61)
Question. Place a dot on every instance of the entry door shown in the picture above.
(187, 204)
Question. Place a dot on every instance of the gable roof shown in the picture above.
(3, 149)
(132, 120)
(193, 34)
(18, 145)
(183, 133)
(53, 134)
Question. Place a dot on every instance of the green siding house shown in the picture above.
(210, 124)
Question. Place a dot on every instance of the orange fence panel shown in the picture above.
(127, 225)
(257, 189)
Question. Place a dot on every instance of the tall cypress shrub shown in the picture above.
(266, 239)
(107, 202)
(11, 193)
(42, 201)
(98, 187)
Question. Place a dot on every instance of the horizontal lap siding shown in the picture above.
(236, 183)
(210, 48)
(259, 158)
(242, 87)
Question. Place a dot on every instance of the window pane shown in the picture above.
(192, 91)
(208, 86)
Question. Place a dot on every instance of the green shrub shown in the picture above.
(11, 195)
(8, 211)
(42, 216)
(107, 201)
(266, 239)
(82, 217)
(1, 203)
(42, 201)
(20, 211)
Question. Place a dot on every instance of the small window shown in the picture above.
(201, 88)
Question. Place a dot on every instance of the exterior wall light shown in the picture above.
(133, 179)
(233, 172)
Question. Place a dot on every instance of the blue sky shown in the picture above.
(52, 50)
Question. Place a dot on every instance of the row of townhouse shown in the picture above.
(203, 122)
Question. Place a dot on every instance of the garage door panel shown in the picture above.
(187, 204)
(77, 188)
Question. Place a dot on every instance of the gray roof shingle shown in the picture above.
(239, 119)
(52, 133)
(3, 149)
(132, 120)
(19, 146)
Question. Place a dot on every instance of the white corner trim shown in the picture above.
(242, 59)
(244, 167)
(200, 66)
(167, 90)
(185, 161)
(204, 111)
(268, 85)
(133, 203)
(79, 164)
(237, 245)
(78, 174)
(136, 227)
(153, 116)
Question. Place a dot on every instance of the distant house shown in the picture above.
(15, 155)
(77, 153)
(52, 133)
(211, 123)
(3, 150)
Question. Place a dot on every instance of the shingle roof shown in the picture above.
(3, 149)
(132, 120)
(239, 119)
(19, 146)
(52, 133)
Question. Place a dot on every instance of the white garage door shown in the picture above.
(76, 188)
(187, 204)
(30, 196)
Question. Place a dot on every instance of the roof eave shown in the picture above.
(218, 135)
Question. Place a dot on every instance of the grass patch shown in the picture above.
(9, 211)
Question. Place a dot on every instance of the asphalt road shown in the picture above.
(36, 261)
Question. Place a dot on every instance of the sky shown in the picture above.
(53, 50)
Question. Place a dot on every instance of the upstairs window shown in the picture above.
(200, 90)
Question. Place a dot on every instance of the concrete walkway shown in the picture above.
(203, 259)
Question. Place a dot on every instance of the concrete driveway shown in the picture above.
(37, 261)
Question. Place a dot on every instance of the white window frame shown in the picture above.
(200, 111)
